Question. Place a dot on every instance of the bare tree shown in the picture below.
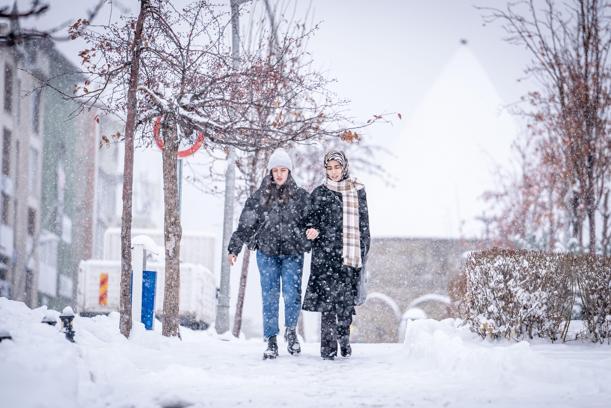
(529, 207)
(128, 170)
(569, 44)
(112, 87)
(14, 34)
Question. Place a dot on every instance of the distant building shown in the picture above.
(58, 188)
(408, 278)
(21, 131)
(80, 185)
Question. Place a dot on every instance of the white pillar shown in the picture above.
(138, 254)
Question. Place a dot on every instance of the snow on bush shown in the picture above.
(519, 294)
(515, 294)
(592, 277)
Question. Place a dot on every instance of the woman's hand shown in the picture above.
(231, 258)
(311, 234)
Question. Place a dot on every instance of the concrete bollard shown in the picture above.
(67, 317)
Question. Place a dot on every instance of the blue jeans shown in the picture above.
(273, 270)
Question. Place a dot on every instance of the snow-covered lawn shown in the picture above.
(439, 365)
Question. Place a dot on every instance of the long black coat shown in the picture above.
(332, 285)
(273, 228)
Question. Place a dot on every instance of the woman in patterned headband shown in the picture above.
(338, 222)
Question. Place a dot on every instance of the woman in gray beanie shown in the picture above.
(338, 222)
(273, 223)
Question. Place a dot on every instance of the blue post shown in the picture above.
(149, 283)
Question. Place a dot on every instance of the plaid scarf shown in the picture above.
(351, 245)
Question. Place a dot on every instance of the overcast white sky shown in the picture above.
(400, 56)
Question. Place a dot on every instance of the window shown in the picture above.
(8, 88)
(6, 206)
(33, 172)
(6, 152)
(31, 221)
(36, 111)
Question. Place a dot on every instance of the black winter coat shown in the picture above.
(332, 285)
(275, 228)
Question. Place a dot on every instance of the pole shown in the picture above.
(138, 262)
(222, 308)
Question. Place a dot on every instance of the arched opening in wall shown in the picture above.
(376, 321)
(434, 305)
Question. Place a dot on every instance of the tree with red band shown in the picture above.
(181, 153)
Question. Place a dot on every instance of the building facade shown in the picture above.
(81, 178)
(58, 187)
(22, 133)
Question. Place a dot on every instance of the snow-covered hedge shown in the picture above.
(593, 279)
(519, 294)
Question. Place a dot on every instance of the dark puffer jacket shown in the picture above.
(274, 227)
(331, 285)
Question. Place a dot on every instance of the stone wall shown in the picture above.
(402, 271)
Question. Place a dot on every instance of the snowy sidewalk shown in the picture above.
(438, 366)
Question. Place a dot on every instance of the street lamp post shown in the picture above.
(222, 308)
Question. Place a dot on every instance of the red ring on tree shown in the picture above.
(181, 153)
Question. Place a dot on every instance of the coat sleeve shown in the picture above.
(364, 222)
(247, 226)
(302, 224)
(313, 210)
(304, 199)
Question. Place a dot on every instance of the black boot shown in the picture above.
(293, 346)
(328, 352)
(344, 346)
(328, 336)
(272, 348)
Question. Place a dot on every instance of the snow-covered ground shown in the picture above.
(439, 365)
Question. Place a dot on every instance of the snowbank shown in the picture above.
(439, 364)
(451, 348)
(39, 367)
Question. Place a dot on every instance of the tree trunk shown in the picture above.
(237, 318)
(605, 226)
(591, 205)
(592, 232)
(552, 227)
(172, 230)
(125, 305)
